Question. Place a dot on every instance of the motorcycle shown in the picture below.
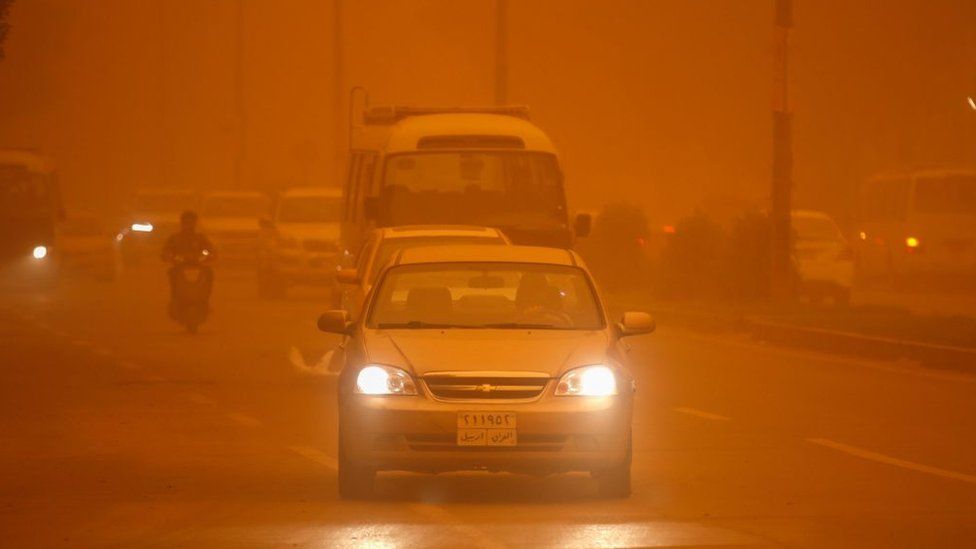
(192, 280)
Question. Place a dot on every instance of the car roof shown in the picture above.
(414, 231)
(331, 192)
(404, 135)
(499, 253)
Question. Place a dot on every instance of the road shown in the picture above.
(119, 430)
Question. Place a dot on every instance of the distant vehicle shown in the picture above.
(152, 215)
(824, 258)
(232, 220)
(920, 223)
(30, 208)
(88, 246)
(383, 244)
(300, 243)
(484, 166)
(190, 303)
(484, 357)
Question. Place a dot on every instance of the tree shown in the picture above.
(4, 26)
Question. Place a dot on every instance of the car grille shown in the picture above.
(315, 245)
(485, 387)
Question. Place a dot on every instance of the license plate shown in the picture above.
(487, 429)
(191, 274)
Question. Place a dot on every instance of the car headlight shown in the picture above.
(597, 380)
(142, 227)
(39, 252)
(377, 379)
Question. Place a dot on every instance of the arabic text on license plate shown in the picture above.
(486, 429)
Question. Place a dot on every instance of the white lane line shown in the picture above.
(197, 398)
(129, 365)
(701, 413)
(244, 420)
(899, 367)
(317, 456)
(888, 460)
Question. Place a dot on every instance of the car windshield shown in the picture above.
(310, 209)
(491, 188)
(164, 202)
(22, 191)
(390, 246)
(954, 195)
(815, 228)
(486, 295)
(235, 206)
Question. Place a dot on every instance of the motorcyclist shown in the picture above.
(188, 246)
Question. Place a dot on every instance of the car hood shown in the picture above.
(306, 231)
(548, 351)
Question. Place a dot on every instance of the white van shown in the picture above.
(918, 223)
(485, 166)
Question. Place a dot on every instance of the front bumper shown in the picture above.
(555, 434)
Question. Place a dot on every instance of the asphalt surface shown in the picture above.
(117, 429)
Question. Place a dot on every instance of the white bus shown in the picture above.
(918, 223)
(30, 209)
(472, 166)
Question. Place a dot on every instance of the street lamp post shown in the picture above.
(781, 276)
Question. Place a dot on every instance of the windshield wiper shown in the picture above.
(417, 324)
(518, 325)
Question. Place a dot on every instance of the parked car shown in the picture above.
(824, 258)
(484, 357)
(152, 215)
(88, 246)
(383, 244)
(300, 242)
(231, 219)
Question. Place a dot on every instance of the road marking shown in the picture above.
(102, 351)
(60, 333)
(825, 357)
(317, 456)
(129, 365)
(244, 420)
(702, 414)
(197, 398)
(888, 460)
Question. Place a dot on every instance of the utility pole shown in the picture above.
(501, 52)
(338, 93)
(781, 279)
(240, 111)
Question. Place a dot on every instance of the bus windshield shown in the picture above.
(955, 195)
(484, 187)
(23, 192)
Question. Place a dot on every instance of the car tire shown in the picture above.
(355, 481)
(615, 482)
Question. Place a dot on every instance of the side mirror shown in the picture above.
(371, 207)
(582, 225)
(636, 323)
(347, 276)
(334, 322)
(266, 224)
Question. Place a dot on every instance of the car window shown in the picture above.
(390, 246)
(486, 295)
